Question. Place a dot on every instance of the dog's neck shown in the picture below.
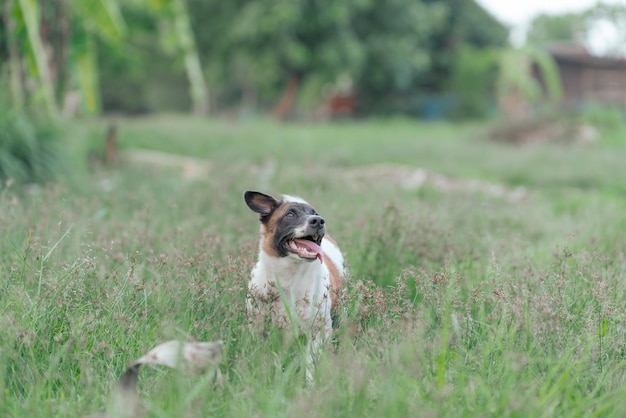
(289, 273)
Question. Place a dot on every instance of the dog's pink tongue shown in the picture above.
(311, 246)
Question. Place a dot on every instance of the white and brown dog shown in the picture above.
(300, 270)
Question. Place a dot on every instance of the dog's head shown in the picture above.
(289, 227)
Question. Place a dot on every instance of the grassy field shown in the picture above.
(490, 283)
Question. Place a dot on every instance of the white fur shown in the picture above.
(303, 287)
(295, 293)
(331, 251)
(294, 199)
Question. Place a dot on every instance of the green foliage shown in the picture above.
(466, 25)
(243, 52)
(549, 72)
(177, 36)
(92, 19)
(562, 27)
(515, 75)
(580, 27)
(26, 14)
(72, 43)
(25, 20)
(395, 40)
(604, 117)
(129, 71)
(85, 68)
(103, 17)
(473, 81)
(29, 147)
(249, 49)
(265, 42)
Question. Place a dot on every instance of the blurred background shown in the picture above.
(467, 154)
(313, 60)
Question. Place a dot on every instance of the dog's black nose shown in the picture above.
(316, 221)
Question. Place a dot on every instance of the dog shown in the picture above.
(300, 270)
(193, 357)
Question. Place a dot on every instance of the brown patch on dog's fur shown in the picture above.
(335, 283)
(269, 228)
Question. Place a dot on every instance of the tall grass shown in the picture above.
(457, 304)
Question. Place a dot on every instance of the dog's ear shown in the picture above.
(260, 203)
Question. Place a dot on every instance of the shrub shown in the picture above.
(603, 117)
(29, 147)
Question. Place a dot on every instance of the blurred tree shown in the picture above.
(229, 70)
(22, 18)
(392, 50)
(282, 42)
(396, 48)
(613, 16)
(582, 27)
(464, 51)
(564, 27)
(9, 53)
(254, 49)
(518, 91)
(473, 81)
(177, 36)
(44, 38)
(90, 20)
(56, 42)
(466, 24)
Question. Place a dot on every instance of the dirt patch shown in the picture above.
(189, 168)
(411, 178)
(408, 178)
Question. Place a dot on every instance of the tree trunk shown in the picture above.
(198, 89)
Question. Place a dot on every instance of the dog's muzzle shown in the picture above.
(308, 245)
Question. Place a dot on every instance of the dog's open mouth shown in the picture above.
(306, 247)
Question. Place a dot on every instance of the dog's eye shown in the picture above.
(290, 215)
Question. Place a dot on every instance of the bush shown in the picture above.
(473, 82)
(603, 117)
(29, 147)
